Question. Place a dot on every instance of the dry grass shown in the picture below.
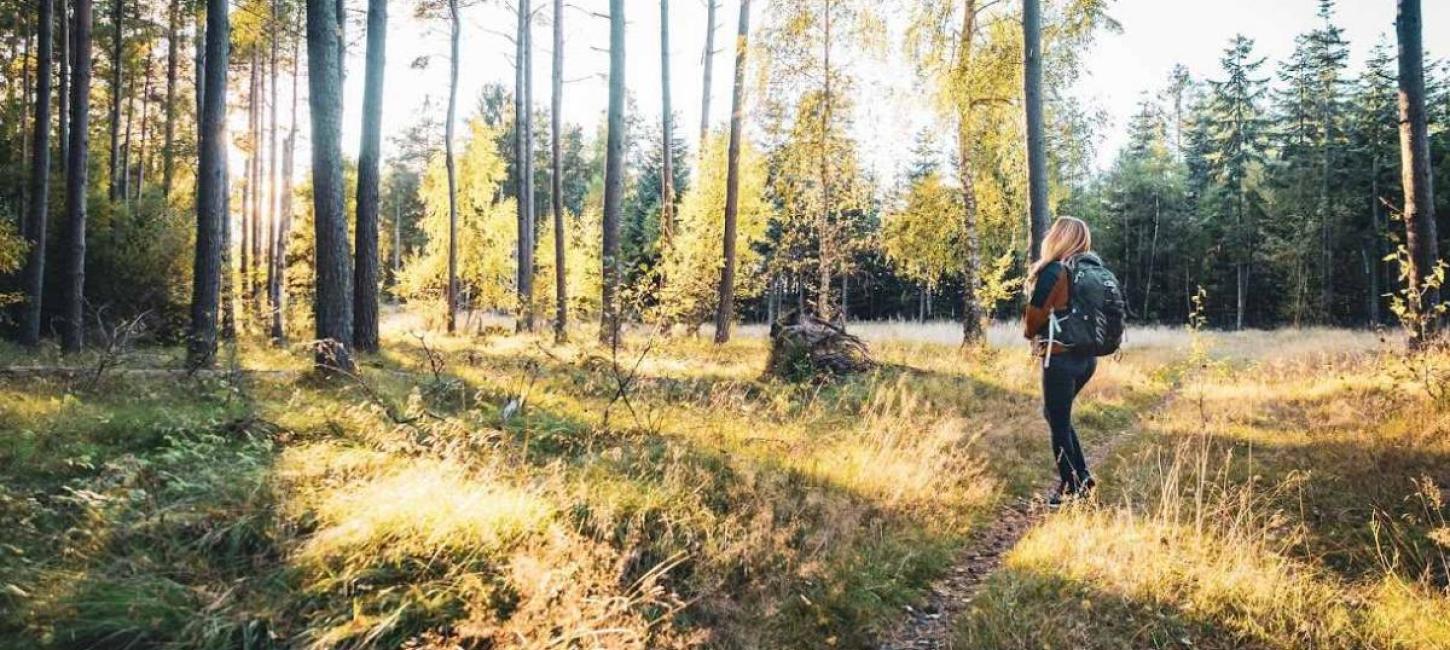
(510, 501)
(1277, 501)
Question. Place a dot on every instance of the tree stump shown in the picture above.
(804, 347)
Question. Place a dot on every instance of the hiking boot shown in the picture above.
(1060, 496)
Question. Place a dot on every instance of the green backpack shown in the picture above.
(1096, 309)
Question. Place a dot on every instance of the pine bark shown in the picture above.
(710, 7)
(73, 330)
(556, 180)
(211, 190)
(274, 225)
(284, 225)
(365, 273)
(254, 292)
(725, 306)
(142, 152)
(35, 225)
(332, 303)
(117, 14)
(1420, 235)
(173, 61)
(523, 165)
(124, 189)
(63, 89)
(198, 70)
(1036, 148)
(249, 185)
(452, 291)
(613, 177)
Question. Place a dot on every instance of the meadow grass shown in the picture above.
(502, 491)
(1287, 496)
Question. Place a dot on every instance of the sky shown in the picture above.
(1160, 33)
(1119, 70)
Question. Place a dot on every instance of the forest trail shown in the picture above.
(931, 626)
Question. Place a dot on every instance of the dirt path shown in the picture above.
(931, 625)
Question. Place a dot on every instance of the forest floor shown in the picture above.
(1260, 489)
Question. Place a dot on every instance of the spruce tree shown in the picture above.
(1236, 147)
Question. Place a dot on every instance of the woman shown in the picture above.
(1064, 372)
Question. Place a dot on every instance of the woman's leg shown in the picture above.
(1059, 386)
(1075, 455)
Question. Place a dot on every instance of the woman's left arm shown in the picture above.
(1049, 293)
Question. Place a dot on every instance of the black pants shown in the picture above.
(1062, 379)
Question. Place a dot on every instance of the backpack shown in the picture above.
(1096, 309)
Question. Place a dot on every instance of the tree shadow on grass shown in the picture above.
(832, 563)
(1361, 500)
(142, 520)
(1020, 608)
(836, 562)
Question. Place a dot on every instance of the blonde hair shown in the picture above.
(1068, 236)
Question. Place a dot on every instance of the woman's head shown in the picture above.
(1068, 236)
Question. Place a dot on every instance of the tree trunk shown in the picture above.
(556, 180)
(125, 181)
(284, 227)
(613, 177)
(341, 42)
(667, 186)
(141, 152)
(1036, 149)
(211, 190)
(1326, 228)
(23, 137)
(35, 225)
(249, 185)
(227, 292)
(332, 304)
(1241, 268)
(1415, 176)
(254, 287)
(199, 65)
(772, 300)
(73, 333)
(523, 166)
(1375, 254)
(452, 165)
(365, 273)
(710, 6)
(274, 240)
(397, 265)
(1152, 259)
(972, 315)
(823, 264)
(168, 159)
(725, 304)
(117, 12)
(63, 88)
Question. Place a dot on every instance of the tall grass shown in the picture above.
(1275, 502)
(496, 491)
